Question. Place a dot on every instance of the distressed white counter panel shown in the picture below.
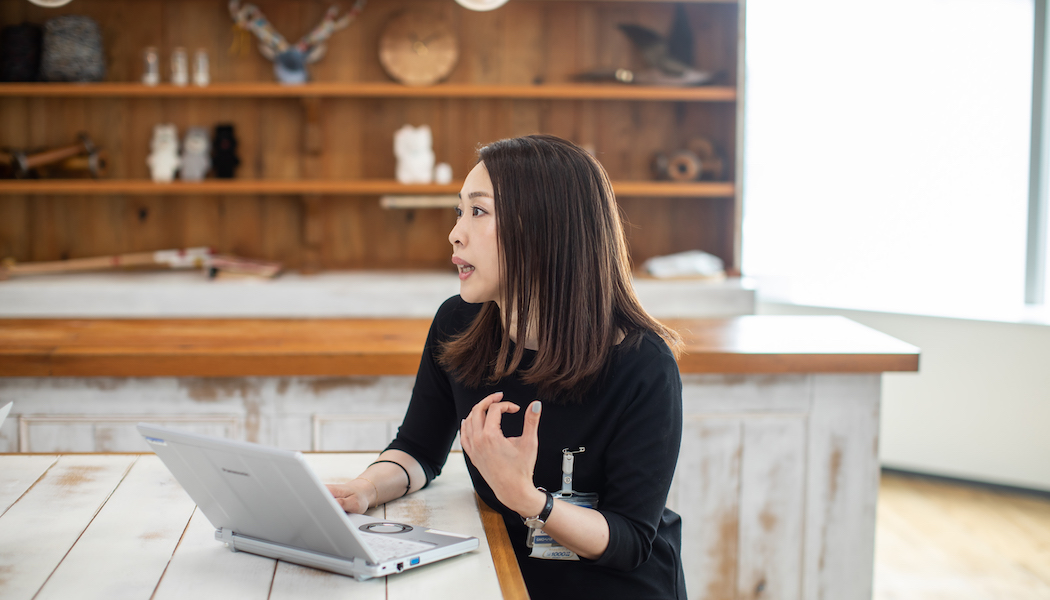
(59, 414)
(842, 481)
(776, 483)
(706, 493)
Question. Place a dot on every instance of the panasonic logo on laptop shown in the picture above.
(235, 472)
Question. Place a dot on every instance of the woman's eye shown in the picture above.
(459, 213)
(477, 211)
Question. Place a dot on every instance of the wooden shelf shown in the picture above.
(557, 91)
(363, 187)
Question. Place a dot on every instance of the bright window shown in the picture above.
(886, 152)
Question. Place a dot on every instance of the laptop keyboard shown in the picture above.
(388, 547)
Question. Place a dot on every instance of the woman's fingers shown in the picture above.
(494, 416)
(532, 421)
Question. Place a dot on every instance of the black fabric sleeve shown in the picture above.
(640, 462)
(430, 424)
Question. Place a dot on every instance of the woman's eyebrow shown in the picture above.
(480, 193)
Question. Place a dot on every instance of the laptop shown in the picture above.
(269, 502)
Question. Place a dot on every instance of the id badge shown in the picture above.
(543, 546)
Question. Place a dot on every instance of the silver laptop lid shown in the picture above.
(257, 491)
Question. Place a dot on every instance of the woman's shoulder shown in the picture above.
(455, 315)
(644, 345)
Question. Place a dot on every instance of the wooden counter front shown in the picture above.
(343, 347)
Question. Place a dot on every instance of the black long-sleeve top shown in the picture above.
(631, 426)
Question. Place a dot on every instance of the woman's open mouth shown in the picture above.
(465, 268)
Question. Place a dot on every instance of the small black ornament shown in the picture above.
(224, 158)
(20, 52)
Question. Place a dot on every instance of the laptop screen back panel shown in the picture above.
(260, 492)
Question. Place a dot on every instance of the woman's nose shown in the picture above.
(455, 236)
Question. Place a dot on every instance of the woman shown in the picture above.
(547, 322)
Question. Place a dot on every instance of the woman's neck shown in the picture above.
(531, 341)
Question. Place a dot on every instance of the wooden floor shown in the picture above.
(937, 540)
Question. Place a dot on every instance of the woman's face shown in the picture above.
(475, 251)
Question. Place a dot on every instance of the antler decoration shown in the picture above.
(290, 61)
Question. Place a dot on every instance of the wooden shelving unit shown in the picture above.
(316, 176)
(360, 187)
(372, 90)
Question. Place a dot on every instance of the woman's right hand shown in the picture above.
(354, 497)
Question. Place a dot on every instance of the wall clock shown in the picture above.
(418, 48)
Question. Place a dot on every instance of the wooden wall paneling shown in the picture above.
(481, 36)
(563, 34)
(524, 117)
(697, 225)
(772, 501)
(15, 217)
(615, 137)
(706, 493)
(241, 220)
(279, 144)
(524, 44)
(343, 139)
(14, 126)
(202, 222)
(344, 232)
(287, 234)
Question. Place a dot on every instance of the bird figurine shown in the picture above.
(668, 60)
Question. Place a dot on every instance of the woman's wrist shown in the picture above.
(530, 504)
(366, 489)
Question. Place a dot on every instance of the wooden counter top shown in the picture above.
(340, 347)
(91, 525)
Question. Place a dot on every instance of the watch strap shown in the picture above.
(541, 519)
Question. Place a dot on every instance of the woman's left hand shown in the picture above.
(506, 463)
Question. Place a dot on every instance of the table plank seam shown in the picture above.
(90, 521)
(36, 481)
(173, 551)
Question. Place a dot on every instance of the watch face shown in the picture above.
(534, 523)
(418, 49)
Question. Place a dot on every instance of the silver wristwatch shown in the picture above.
(540, 520)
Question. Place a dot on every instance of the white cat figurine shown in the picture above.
(415, 158)
(196, 159)
(164, 160)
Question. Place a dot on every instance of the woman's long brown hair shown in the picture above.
(566, 272)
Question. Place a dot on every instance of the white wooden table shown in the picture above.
(119, 526)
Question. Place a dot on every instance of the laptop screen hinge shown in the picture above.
(225, 535)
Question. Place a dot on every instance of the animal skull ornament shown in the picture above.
(290, 60)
